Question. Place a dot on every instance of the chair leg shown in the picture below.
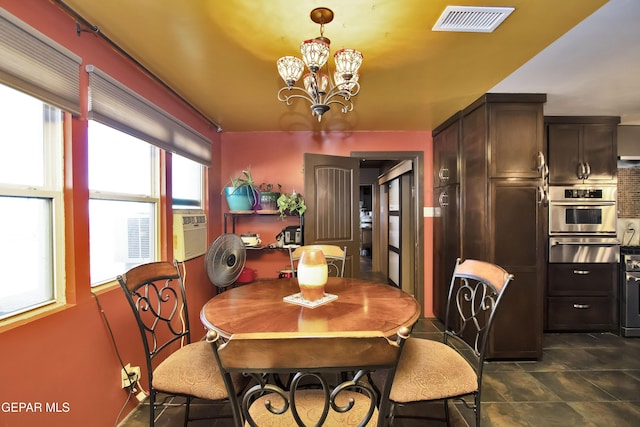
(186, 411)
(446, 411)
(152, 407)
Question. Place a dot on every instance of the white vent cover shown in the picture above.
(472, 19)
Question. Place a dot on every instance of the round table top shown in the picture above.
(361, 306)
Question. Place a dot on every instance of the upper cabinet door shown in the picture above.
(600, 152)
(564, 153)
(516, 140)
(583, 150)
(446, 142)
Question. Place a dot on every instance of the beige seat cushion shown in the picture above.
(310, 404)
(430, 370)
(193, 370)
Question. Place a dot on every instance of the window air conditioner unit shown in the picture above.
(134, 240)
(189, 234)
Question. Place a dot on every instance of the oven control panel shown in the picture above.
(582, 193)
(587, 194)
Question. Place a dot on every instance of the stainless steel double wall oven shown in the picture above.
(582, 225)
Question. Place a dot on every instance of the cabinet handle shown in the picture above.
(541, 195)
(587, 170)
(443, 174)
(443, 199)
(580, 171)
(581, 272)
(541, 161)
(581, 306)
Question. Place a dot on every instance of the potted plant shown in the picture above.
(242, 192)
(291, 204)
(269, 196)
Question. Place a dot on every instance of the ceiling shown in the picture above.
(220, 56)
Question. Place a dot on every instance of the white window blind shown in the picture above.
(38, 66)
(115, 105)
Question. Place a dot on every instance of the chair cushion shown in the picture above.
(431, 370)
(193, 370)
(309, 404)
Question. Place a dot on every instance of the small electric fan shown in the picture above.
(224, 260)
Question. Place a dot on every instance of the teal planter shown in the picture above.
(239, 198)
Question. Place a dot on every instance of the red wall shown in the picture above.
(66, 358)
(277, 157)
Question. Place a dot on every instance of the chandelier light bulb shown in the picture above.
(315, 54)
(348, 62)
(316, 83)
(290, 69)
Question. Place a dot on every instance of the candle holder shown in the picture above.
(312, 274)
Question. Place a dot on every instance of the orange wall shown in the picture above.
(67, 357)
(277, 157)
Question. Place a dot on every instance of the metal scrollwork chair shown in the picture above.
(452, 369)
(335, 256)
(175, 366)
(316, 396)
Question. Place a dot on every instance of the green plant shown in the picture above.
(244, 180)
(291, 204)
(268, 188)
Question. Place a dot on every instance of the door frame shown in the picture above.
(417, 157)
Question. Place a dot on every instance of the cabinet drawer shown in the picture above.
(581, 313)
(582, 279)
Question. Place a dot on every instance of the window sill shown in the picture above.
(32, 315)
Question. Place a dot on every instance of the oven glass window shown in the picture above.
(579, 216)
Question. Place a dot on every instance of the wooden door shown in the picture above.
(331, 191)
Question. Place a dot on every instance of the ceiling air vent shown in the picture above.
(472, 19)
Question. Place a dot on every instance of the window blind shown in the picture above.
(36, 65)
(113, 104)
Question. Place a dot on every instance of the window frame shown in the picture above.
(153, 197)
(51, 190)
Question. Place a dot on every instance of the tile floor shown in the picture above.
(586, 379)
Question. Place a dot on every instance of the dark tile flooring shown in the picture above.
(586, 379)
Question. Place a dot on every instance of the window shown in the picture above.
(123, 205)
(186, 183)
(31, 229)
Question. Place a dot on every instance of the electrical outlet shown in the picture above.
(129, 375)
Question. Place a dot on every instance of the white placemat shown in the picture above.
(297, 299)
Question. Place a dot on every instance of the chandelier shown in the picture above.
(319, 88)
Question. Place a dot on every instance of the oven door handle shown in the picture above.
(583, 203)
(556, 242)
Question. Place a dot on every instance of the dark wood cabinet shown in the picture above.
(446, 224)
(446, 153)
(446, 235)
(503, 217)
(582, 149)
(582, 297)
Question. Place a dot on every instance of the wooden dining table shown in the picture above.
(361, 305)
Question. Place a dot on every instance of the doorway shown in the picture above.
(375, 260)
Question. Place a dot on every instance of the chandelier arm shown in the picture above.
(282, 96)
(345, 93)
(346, 106)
